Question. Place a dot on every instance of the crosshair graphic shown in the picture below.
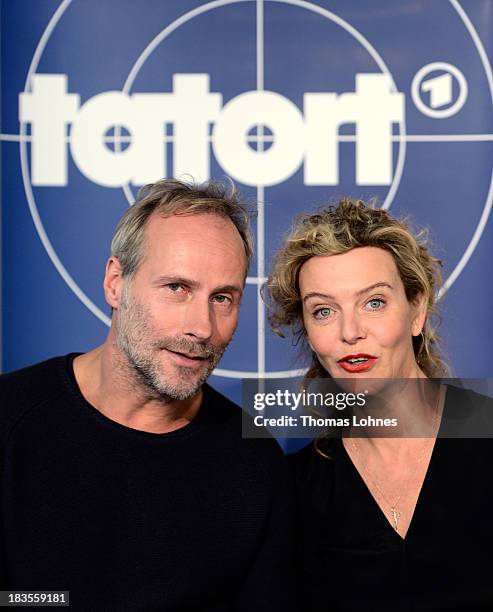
(402, 139)
(260, 86)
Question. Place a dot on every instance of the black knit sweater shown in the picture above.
(195, 519)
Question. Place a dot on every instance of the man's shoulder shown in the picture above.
(228, 418)
(32, 378)
(218, 408)
(24, 389)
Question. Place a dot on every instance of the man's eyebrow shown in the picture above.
(193, 284)
(229, 289)
(327, 296)
(179, 280)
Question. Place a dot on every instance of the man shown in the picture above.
(125, 479)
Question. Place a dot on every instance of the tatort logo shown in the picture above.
(309, 137)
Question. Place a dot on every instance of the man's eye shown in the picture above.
(222, 299)
(322, 313)
(175, 287)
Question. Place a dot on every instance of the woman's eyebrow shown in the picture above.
(327, 296)
(318, 295)
(375, 286)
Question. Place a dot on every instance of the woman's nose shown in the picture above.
(351, 328)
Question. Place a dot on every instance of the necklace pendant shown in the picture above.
(395, 516)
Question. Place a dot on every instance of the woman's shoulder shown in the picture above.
(461, 391)
(316, 469)
(467, 413)
(314, 450)
(314, 461)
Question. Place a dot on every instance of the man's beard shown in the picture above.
(142, 351)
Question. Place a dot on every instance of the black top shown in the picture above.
(352, 559)
(195, 519)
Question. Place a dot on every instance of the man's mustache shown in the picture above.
(191, 348)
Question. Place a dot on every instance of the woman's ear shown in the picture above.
(420, 311)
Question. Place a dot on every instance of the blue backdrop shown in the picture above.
(300, 102)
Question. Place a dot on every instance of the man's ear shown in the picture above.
(113, 282)
(420, 311)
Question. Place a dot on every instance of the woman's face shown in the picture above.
(357, 317)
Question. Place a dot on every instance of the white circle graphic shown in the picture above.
(418, 81)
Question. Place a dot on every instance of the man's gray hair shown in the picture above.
(173, 197)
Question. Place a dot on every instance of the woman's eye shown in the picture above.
(322, 313)
(375, 304)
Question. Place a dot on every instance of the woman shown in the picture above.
(384, 523)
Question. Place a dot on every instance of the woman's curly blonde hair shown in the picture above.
(337, 229)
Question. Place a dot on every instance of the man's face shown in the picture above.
(179, 311)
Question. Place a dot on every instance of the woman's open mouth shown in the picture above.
(361, 362)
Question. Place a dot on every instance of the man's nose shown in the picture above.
(199, 321)
(351, 328)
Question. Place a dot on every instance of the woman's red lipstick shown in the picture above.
(361, 362)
